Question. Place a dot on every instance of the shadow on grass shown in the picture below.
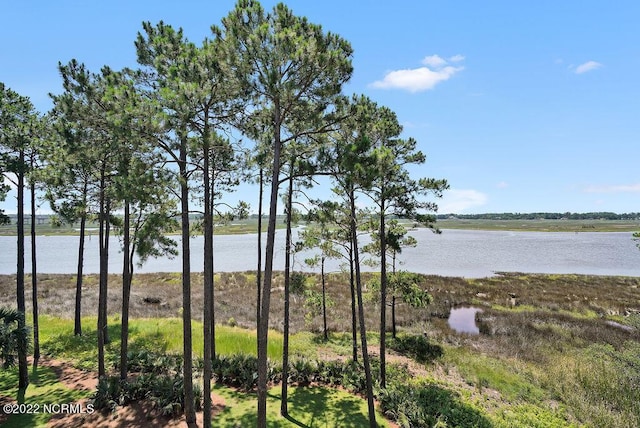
(68, 343)
(83, 348)
(308, 408)
(44, 388)
(326, 407)
(416, 347)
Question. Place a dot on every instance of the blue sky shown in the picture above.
(521, 106)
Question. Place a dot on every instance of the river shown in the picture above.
(465, 253)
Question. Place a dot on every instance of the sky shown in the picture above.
(520, 106)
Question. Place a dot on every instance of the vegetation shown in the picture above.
(544, 216)
(553, 359)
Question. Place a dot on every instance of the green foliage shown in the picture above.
(428, 405)
(298, 283)
(241, 371)
(14, 336)
(600, 384)
(313, 304)
(145, 361)
(406, 284)
(164, 391)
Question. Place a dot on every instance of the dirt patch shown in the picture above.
(69, 376)
(138, 414)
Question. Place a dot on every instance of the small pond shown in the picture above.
(463, 320)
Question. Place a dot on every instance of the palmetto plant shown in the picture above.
(14, 336)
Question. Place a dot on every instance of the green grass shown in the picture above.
(159, 334)
(487, 372)
(43, 388)
(308, 407)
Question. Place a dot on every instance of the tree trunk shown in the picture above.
(363, 331)
(102, 288)
(107, 234)
(259, 272)
(263, 326)
(127, 276)
(77, 328)
(393, 297)
(354, 315)
(208, 285)
(189, 409)
(23, 368)
(284, 411)
(34, 277)
(383, 296)
(393, 314)
(324, 301)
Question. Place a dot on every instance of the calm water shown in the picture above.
(453, 253)
(463, 320)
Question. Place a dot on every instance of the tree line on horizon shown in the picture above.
(259, 100)
(605, 215)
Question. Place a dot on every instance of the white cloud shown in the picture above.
(587, 66)
(436, 70)
(502, 185)
(434, 61)
(458, 200)
(623, 188)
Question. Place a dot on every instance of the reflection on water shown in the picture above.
(463, 320)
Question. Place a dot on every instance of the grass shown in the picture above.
(160, 334)
(308, 407)
(44, 388)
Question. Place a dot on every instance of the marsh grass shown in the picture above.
(545, 355)
(601, 385)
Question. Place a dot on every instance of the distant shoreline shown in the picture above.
(512, 225)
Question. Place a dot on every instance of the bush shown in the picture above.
(166, 392)
(427, 405)
(13, 336)
(144, 361)
(297, 283)
(241, 371)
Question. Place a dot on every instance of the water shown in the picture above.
(463, 320)
(465, 253)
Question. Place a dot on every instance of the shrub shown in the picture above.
(144, 361)
(13, 337)
(428, 405)
(165, 392)
(241, 371)
(107, 393)
(297, 283)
